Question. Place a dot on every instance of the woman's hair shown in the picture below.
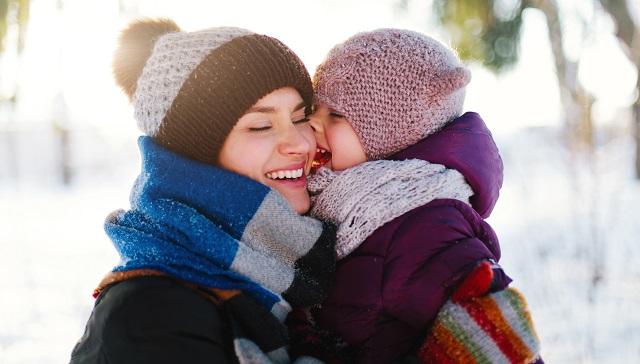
(188, 89)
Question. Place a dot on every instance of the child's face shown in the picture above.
(338, 144)
(274, 145)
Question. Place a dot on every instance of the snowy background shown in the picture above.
(568, 221)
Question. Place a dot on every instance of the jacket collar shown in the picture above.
(466, 145)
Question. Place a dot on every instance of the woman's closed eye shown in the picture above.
(267, 126)
(260, 128)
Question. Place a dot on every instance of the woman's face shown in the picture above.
(273, 144)
(338, 145)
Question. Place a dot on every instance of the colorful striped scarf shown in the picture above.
(220, 230)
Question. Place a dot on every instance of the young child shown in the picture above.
(410, 181)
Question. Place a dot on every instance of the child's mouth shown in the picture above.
(322, 157)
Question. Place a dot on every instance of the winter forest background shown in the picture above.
(568, 216)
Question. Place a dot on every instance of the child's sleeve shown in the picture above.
(481, 323)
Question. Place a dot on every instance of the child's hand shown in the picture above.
(478, 325)
(306, 341)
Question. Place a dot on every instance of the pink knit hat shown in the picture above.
(395, 86)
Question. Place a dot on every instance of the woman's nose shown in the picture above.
(294, 141)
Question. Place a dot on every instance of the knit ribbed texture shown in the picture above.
(226, 83)
(174, 57)
(395, 87)
(196, 85)
(493, 328)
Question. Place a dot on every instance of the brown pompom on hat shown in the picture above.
(189, 89)
(395, 87)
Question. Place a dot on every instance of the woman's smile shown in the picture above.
(286, 174)
(293, 177)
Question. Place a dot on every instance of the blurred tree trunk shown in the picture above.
(575, 101)
(479, 30)
(636, 124)
(12, 12)
(627, 32)
(60, 117)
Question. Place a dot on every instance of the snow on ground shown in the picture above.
(568, 225)
(568, 229)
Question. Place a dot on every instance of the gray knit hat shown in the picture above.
(395, 86)
(188, 89)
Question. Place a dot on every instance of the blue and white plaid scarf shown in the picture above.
(217, 229)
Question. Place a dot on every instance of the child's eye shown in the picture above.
(336, 115)
(301, 121)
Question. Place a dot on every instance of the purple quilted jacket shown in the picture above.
(389, 290)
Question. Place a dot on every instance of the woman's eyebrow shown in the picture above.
(300, 106)
(270, 109)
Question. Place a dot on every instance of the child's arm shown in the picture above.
(482, 324)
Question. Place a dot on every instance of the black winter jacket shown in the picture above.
(154, 320)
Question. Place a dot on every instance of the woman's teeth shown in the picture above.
(297, 173)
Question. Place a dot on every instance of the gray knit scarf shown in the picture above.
(363, 198)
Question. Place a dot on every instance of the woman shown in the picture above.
(214, 253)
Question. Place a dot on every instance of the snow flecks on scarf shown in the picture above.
(216, 229)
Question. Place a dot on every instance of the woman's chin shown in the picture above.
(296, 195)
(300, 205)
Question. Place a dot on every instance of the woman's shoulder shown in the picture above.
(151, 293)
(158, 303)
(143, 286)
(155, 318)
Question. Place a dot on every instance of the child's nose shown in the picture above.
(316, 124)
